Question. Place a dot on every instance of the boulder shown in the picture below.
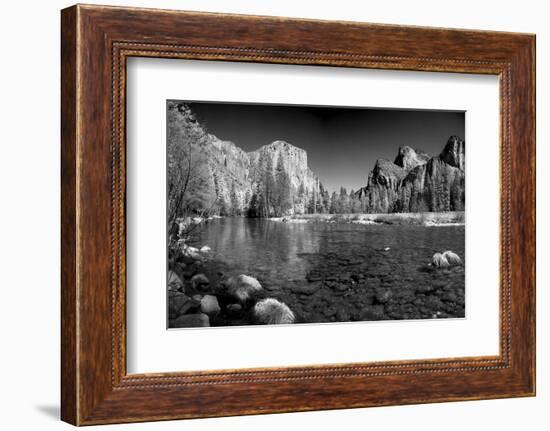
(190, 321)
(439, 261)
(192, 253)
(179, 303)
(242, 287)
(209, 305)
(174, 282)
(452, 258)
(205, 249)
(199, 280)
(270, 311)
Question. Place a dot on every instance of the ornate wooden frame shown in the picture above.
(95, 43)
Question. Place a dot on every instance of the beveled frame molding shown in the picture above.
(96, 41)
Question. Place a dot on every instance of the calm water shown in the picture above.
(334, 272)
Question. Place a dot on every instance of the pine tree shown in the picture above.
(334, 201)
(325, 200)
(343, 204)
(267, 190)
(235, 201)
(283, 195)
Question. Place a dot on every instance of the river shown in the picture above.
(330, 272)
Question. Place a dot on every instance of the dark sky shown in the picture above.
(342, 144)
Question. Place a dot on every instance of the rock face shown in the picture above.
(275, 179)
(437, 185)
(272, 180)
(408, 158)
(283, 159)
(417, 183)
(242, 179)
(382, 188)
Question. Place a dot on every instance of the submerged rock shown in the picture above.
(190, 321)
(305, 289)
(234, 308)
(383, 295)
(270, 311)
(372, 312)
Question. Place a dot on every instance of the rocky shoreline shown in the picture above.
(203, 292)
(448, 218)
(201, 296)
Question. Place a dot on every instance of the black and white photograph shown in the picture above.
(291, 214)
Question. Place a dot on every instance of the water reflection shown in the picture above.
(345, 266)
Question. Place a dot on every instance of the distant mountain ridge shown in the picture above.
(416, 182)
(276, 180)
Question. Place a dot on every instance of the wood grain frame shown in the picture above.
(95, 43)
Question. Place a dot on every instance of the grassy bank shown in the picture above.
(421, 219)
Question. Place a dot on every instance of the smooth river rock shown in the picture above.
(439, 261)
(452, 258)
(209, 305)
(270, 311)
(242, 287)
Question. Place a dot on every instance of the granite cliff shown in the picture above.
(219, 177)
(416, 182)
(272, 180)
(275, 179)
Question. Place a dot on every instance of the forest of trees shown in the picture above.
(277, 197)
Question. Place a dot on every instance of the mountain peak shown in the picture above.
(384, 170)
(408, 158)
(454, 152)
(279, 145)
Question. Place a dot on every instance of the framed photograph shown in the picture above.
(266, 215)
